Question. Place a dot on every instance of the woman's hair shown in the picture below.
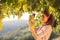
(50, 19)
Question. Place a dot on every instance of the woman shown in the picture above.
(43, 31)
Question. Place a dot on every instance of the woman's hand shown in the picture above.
(31, 25)
(31, 21)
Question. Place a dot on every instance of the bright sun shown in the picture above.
(25, 16)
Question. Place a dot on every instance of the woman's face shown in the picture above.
(44, 18)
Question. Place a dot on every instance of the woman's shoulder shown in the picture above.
(49, 26)
(42, 27)
(37, 27)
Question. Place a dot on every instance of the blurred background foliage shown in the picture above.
(17, 7)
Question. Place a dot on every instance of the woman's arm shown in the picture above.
(46, 32)
(33, 33)
(31, 25)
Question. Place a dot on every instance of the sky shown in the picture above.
(25, 16)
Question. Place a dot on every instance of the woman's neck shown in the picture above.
(44, 23)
